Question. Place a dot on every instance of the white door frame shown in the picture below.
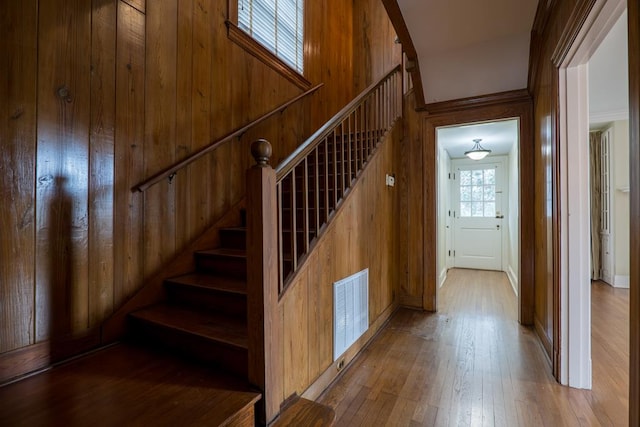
(575, 291)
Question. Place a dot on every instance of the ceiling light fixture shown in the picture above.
(477, 152)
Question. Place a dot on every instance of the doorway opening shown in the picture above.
(575, 219)
(478, 221)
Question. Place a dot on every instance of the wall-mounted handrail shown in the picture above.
(305, 148)
(172, 170)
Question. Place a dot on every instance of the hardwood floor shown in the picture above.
(472, 364)
(128, 386)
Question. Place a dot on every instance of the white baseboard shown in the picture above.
(442, 277)
(513, 279)
(620, 281)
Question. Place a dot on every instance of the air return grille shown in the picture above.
(350, 311)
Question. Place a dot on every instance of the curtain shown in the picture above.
(596, 208)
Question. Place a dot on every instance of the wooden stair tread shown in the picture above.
(304, 412)
(208, 325)
(212, 282)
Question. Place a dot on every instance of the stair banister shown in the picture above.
(341, 148)
(305, 148)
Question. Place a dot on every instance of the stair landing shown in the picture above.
(128, 385)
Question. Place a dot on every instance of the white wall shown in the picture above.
(513, 218)
(620, 184)
(444, 205)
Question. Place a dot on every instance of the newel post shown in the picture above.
(265, 361)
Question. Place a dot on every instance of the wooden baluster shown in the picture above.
(326, 180)
(335, 172)
(349, 156)
(280, 238)
(294, 222)
(264, 329)
(317, 184)
(343, 163)
(305, 200)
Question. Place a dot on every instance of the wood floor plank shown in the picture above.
(471, 363)
(125, 385)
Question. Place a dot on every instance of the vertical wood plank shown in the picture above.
(296, 349)
(137, 4)
(184, 122)
(101, 159)
(160, 132)
(64, 51)
(18, 71)
(129, 146)
(201, 100)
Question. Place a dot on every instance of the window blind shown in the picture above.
(276, 24)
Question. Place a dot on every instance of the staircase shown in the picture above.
(205, 315)
(204, 319)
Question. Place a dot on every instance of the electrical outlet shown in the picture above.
(390, 180)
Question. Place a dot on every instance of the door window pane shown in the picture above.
(477, 189)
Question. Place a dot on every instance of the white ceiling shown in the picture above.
(470, 47)
(498, 137)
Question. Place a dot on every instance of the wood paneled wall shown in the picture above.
(362, 235)
(100, 94)
(554, 21)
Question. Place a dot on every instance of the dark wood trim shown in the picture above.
(412, 66)
(480, 112)
(574, 25)
(256, 49)
(501, 98)
(633, 13)
(543, 339)
(539, 33)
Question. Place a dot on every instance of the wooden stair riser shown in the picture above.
(233, 238)
(219, 301)
(227, 266)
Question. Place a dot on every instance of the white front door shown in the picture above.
(477, 196)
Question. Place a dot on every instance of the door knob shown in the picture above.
(498, 227)
(499, 216)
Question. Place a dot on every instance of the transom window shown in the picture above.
(478, 193)
(276, 24)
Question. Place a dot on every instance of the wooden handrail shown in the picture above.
(169, 172)
(306, 147)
